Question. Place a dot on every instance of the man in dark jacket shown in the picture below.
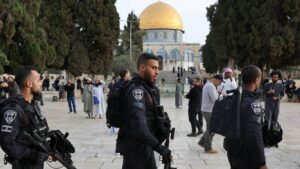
(195, 96)
(137, 139)
(247, 152)
(13, 88)
(70, 89)
(46, 83)
(19, 115)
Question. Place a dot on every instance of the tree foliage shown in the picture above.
(22, 39)
(121, 60)
(67, 34)
(3, 62)
(83, 32)
(263, 33)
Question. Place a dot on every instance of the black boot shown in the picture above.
(193, 134)
(200, 131)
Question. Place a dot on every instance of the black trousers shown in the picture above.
(237, 155)
(140, 158)
(193, 112)
(272, 109)
(232, 162)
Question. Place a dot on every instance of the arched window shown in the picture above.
(186, 55)
(160, 62)
(192, 57)
(175, 55)
(162, 52)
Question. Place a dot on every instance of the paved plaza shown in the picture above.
(95, 144)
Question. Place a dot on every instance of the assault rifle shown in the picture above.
(165, 124)
(58, 147)
(167, 142)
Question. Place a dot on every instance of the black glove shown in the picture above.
(42, 157)
(38, 157)
(164, 152)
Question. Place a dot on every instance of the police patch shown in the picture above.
(10, 116)
(256, 108)
(6, 128)
(138, 94)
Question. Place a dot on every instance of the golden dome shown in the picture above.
(160, 16)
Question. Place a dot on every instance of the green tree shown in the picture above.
(82, 32)
(3, 62)
(121, 60)
(56, 17)
(22, 39)
(257, 32)
(98, 22)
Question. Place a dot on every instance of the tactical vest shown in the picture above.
(39, 124)
(32, 122)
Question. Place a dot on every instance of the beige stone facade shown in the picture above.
(175, 55)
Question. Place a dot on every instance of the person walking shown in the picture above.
(178, 94)
(136, 139)
(87, 98)
(98, 97)
(247, 151)
(195, 96)
(209, 96)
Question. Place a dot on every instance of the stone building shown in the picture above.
(164, 38)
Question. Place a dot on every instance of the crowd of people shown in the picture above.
(8, 88)
(141, 133)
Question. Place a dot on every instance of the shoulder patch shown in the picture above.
(10, 116)
(138, 94)
(6, 128)
(256, 108)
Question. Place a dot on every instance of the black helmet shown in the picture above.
(272, 133)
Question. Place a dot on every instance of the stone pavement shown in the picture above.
(95, 144)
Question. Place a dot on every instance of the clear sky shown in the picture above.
(192, 12)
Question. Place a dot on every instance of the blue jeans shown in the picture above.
(71, 102)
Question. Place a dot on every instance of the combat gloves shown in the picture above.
(164, 152)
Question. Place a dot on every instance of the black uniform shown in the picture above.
(136, 139)
(16, 117)
(247, 152)
(195, 97)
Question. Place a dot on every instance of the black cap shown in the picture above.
(218, 77)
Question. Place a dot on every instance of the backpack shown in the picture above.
(13, 99)
(115, 98)
(225, 117)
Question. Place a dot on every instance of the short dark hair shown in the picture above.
(22, 74)
(143, 58)
(218, 77)
(123, 72)
(250, 73)
(275, 73)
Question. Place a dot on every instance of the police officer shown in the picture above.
(247, 152)
(194, 97)
(137, 138)
(274, 92)
(21, 114)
